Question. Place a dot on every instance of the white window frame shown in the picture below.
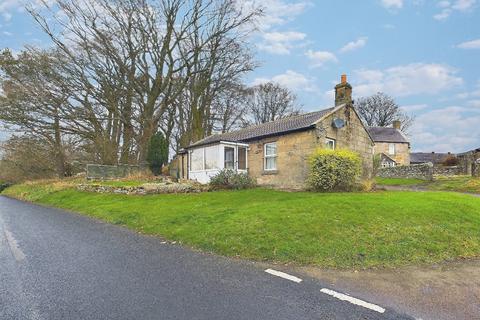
(391, 146)
(331, 140)
(274, 156)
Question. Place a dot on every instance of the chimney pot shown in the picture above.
(344, 78)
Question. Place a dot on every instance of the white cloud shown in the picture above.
(281, 42)
(444, 4)
(290, 79)
(453, 129)
(474, 44)
(389, 26)
(406, 80)
(392, 4)
(449, 7)
(8, 34)
(414, 107)
(474, 103)
(320, 58)
(463, 5)
(276, 12)
(354, 45)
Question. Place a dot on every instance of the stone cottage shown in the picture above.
(391, 144)
(276, 153)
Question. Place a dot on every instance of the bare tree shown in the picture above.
(32, 101)
(380, 110)
(127, 63)
(270, 101)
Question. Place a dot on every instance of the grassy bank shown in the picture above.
(341, 230)
(458, 183)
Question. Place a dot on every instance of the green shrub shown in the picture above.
(229, 179)
(334, 170)
(3, 186)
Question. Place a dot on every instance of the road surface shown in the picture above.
(60, 265)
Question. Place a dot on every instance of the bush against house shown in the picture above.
(230, 179)
(334, 170)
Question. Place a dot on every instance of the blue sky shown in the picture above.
(426, 54)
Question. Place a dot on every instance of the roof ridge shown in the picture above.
(270, 122)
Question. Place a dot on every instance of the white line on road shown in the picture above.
(12, 242)
(283, 275)
(352, 300)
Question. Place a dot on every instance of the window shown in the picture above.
(330, 144)
(229, 158)
(196, 159)
(391, 148)
(388, 164)
(270, 156)
(242, 158)
(211, 156)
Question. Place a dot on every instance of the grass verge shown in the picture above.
(338, 230)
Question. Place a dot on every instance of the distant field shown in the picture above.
(337, 230)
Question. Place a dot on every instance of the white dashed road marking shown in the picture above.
(353, 300)
(283, 275)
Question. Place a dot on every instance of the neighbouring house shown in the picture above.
(391, 144)
(276, 153)
(386, 161)
(435, 158)
(470, 161)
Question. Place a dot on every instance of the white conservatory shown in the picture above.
(206, 161)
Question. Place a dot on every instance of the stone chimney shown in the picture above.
(343, 92)
(397, 124)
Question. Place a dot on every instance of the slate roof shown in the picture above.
(470, 151)
(384, 156)
(293, 123)
(387, 134)
(424, 157)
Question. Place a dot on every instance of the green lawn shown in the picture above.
(339, 230)
(399, 181)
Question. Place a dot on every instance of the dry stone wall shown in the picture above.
(422, 171)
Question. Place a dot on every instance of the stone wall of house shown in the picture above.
(353, 136)
(422, 171)
(402, 152)
(294, 149)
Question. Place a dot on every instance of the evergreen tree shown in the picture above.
(157, 155)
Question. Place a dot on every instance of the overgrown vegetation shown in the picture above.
(230, 179)
(340, 230)
(334, 170)
(457, 183)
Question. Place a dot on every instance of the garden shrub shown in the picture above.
(230, 179)
(334, 170)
